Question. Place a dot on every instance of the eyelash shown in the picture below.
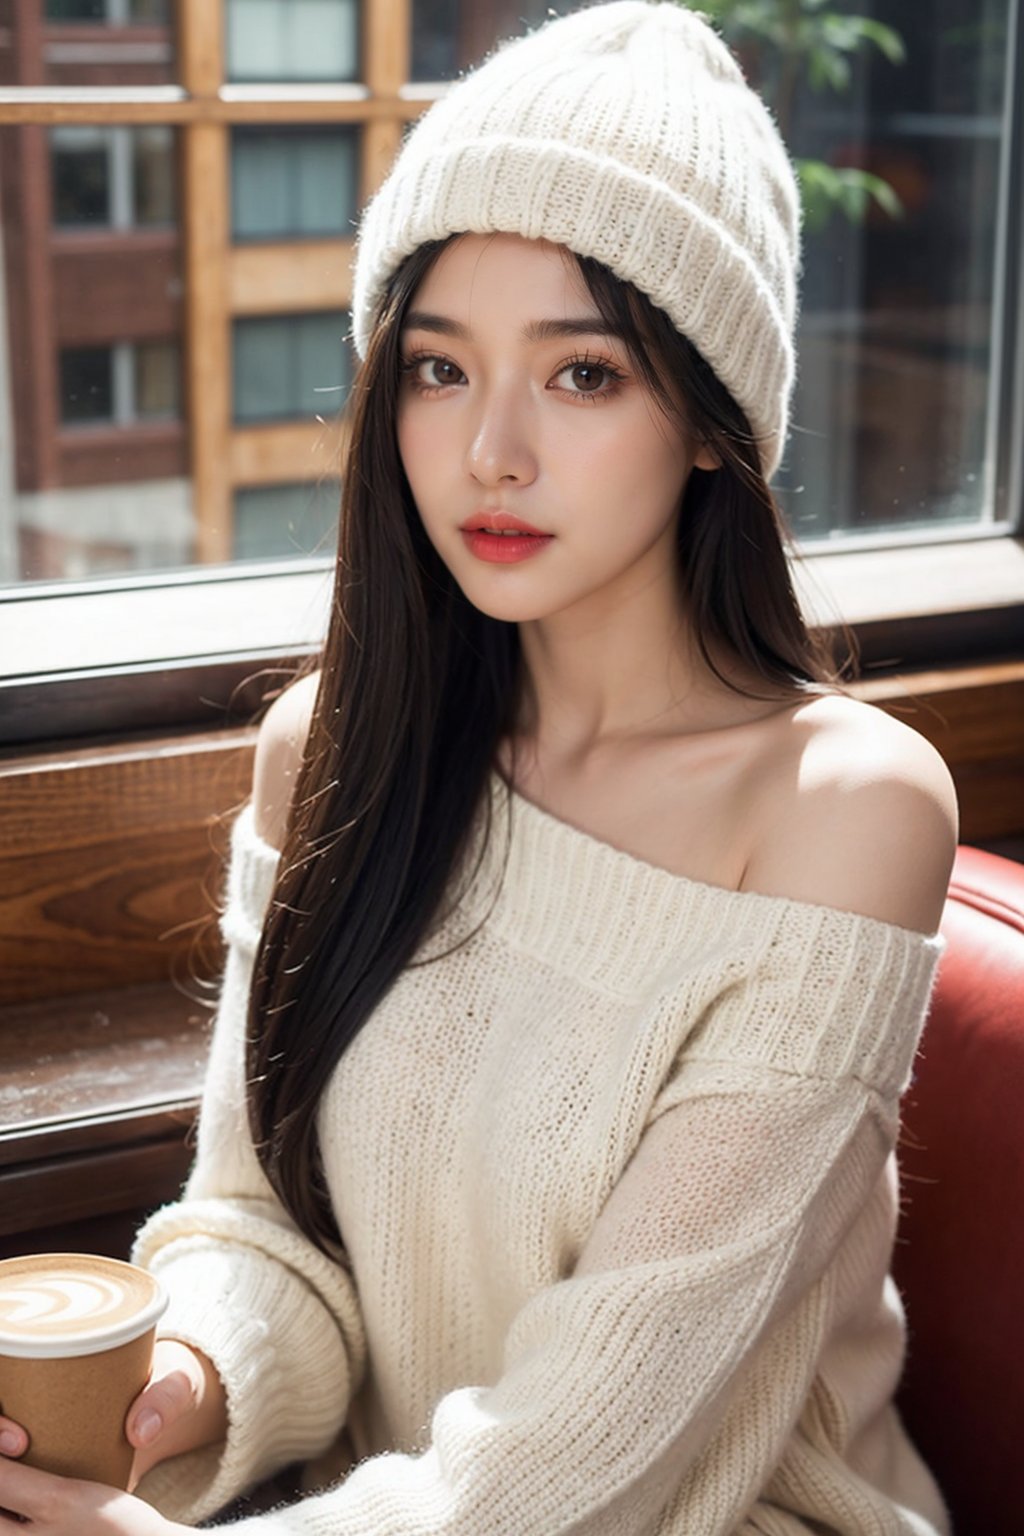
(616, 377)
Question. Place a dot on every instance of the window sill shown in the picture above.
(174, 649)
(99, 1093)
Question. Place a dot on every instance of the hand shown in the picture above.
(63, 1506)
(181, 1408)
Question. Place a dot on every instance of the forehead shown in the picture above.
(504, 270)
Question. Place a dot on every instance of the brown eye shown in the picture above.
(441, 371)
(434, 372)
(587, 377)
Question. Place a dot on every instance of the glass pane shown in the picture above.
(157, 383)
(292, 183)
(264, 390)
(451, 35)
(86, 384)
(275, 520)
(154, 197)
(288, 367)
(116, 13)
(76, 10)
(899, 305)
(80, 160)
(94, 452)
(115, 177)
(292, 40)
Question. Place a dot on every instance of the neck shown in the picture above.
(598, 679)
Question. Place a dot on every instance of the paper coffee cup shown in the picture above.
(76, 1348)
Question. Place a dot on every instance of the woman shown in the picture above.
(545, 1161)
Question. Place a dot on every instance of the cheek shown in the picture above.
(643, 472)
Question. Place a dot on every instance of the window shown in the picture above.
(121, 385)
(289, 366)
(117, 178)
(292, 40)
(450, 35)
(114, 13)
(275, 520)
(174, 288)
(897, 410)
(87, 384)
(292, 183)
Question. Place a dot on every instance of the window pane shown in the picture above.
(117, 13)
(451, 35)
(288, 367)
(287, 184)
(94, 451)
(264, 389)
(76, 10)
(86, 384)
(892, 412)
(153, 175)
(80, 160)
(121, 177)
(157, 380)
(292, 40)
(296, 519)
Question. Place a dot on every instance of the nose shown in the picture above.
(501, 446)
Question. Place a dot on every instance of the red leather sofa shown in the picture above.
(960, 1251)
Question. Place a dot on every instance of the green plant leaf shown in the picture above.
(826, 189)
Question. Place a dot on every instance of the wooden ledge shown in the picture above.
(98, 1094)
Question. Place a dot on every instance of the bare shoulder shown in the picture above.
(855, 810)
(279, 749)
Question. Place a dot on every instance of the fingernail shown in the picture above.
(10, 1443)
(147, 1426)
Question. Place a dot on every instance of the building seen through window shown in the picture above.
(116, 177)
(301, 40)
(114, 399)
(289, 366)
(111, 13)
(293, 183)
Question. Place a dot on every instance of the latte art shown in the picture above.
(74, 1303)
(63, 1300)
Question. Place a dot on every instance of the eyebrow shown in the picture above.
(534, 330)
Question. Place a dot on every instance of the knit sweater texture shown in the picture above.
(616, 1181)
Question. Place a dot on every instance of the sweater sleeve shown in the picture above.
(279, 1320)
(665, 1375)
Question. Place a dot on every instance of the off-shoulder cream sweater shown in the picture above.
(616, 1181)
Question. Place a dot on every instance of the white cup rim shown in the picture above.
(15, 1346)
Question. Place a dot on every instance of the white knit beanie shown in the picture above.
(625, 132)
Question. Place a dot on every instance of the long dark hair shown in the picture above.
(418, 688)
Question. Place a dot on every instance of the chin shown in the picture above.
(501, 601)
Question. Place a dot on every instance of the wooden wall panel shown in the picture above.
(111, 863)
(975, 717)
(291, 451)
(268, 279)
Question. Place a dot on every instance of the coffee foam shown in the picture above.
(73, 1304)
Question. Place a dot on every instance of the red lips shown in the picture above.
(498, 522)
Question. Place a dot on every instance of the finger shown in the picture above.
(28, 1492)
(13, 1439)
(164, 1401)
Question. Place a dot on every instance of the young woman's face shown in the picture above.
(518, 408)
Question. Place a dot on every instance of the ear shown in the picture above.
(706, 458)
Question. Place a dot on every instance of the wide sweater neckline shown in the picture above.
(561, 839)
(554, 890)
